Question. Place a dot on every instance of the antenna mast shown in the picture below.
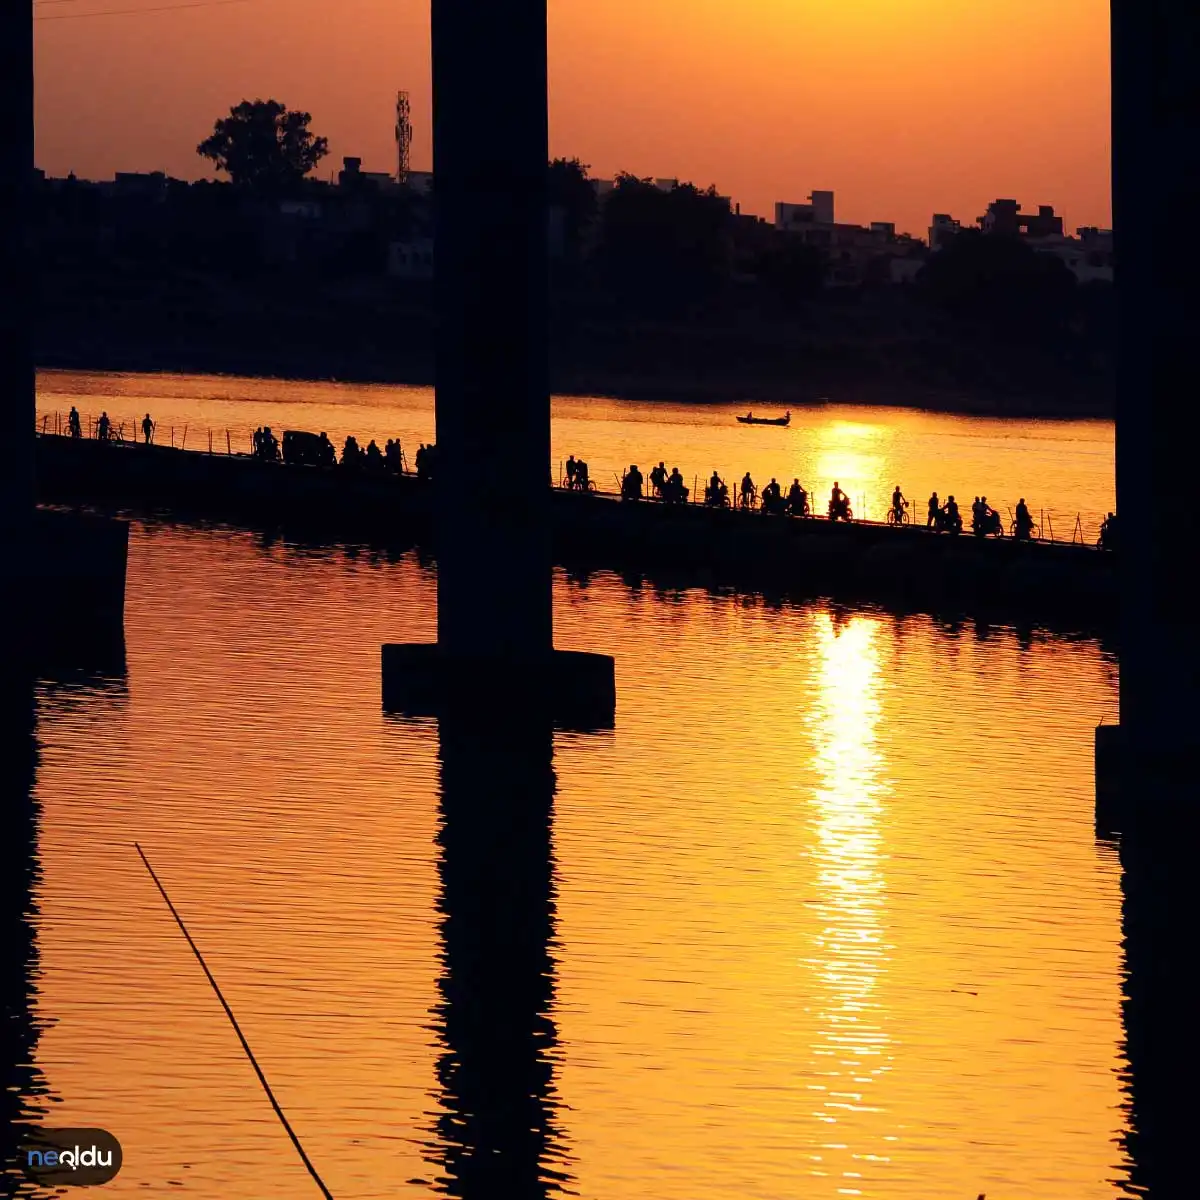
(403, 136)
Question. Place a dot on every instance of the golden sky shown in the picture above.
(902, 107)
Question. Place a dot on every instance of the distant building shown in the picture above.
(793, 217)
(352, 175)
(943, 230)
(1004, 217)
(411, 259)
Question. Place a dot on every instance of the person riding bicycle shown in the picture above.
(581, 475)
(103, 427)
(1108, 533)
(839, 503)
(935, 511)
(631, 485)
(899, 504)
(658, 478)
(570, 471)
(73, 423)
(147, 428)
(748, 490)
(716, 492)
(797, 499)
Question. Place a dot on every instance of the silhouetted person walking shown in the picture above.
(73, 423)
(147, 429)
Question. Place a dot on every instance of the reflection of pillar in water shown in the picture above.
(496, 1135)
(20, 1080)
(1159, 1010)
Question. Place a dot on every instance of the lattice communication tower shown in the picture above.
(403, 136)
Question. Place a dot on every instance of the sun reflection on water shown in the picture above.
(850, 951)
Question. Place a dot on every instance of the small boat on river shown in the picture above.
(751, 419)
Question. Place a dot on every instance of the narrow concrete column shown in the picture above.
(490, 148)
(17, 398)
(1156, 179)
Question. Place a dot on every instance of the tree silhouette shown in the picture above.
(264, 146)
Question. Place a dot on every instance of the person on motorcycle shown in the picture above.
(570, 471)
(935, 510)
(631, 485)
(797, 500)
(976, 516)
(73, 423)
(950, 516)
(772, 496)
(581, 475)
(1108, 533)
(747, 491)
(675, 489)
(899, 504)
(991, 518)
(839, 503)
(658, 478)
(270, 445)
(1023, 524)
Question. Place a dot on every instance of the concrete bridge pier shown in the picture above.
(492, 486)
(1145, 768)
(62, 575)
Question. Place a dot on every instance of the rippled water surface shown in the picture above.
(824, 914)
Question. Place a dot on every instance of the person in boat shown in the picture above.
(1108, 533)
(658, 478)
(935, 509)
(570, 471)
(631, 485)
(899, 504)
(951, 519)
(797, 500)
(839, 503)
(750, 416)
(103, 427)
(748, 491)
(147, 428)
(73, 423)
(1023, 522)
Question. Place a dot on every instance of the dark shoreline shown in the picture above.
(835, 389)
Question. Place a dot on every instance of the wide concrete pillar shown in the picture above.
(16, 286)
(490, 149)
(1156, 182)
(492, 485)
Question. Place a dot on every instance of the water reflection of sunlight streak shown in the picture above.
(849, 950)
(849, 452)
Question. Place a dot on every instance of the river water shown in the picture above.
(824, 915)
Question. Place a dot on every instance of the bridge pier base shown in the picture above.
(573, 690)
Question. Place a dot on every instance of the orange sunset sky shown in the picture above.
(902, 107)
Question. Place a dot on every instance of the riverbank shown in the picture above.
(869, 350)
